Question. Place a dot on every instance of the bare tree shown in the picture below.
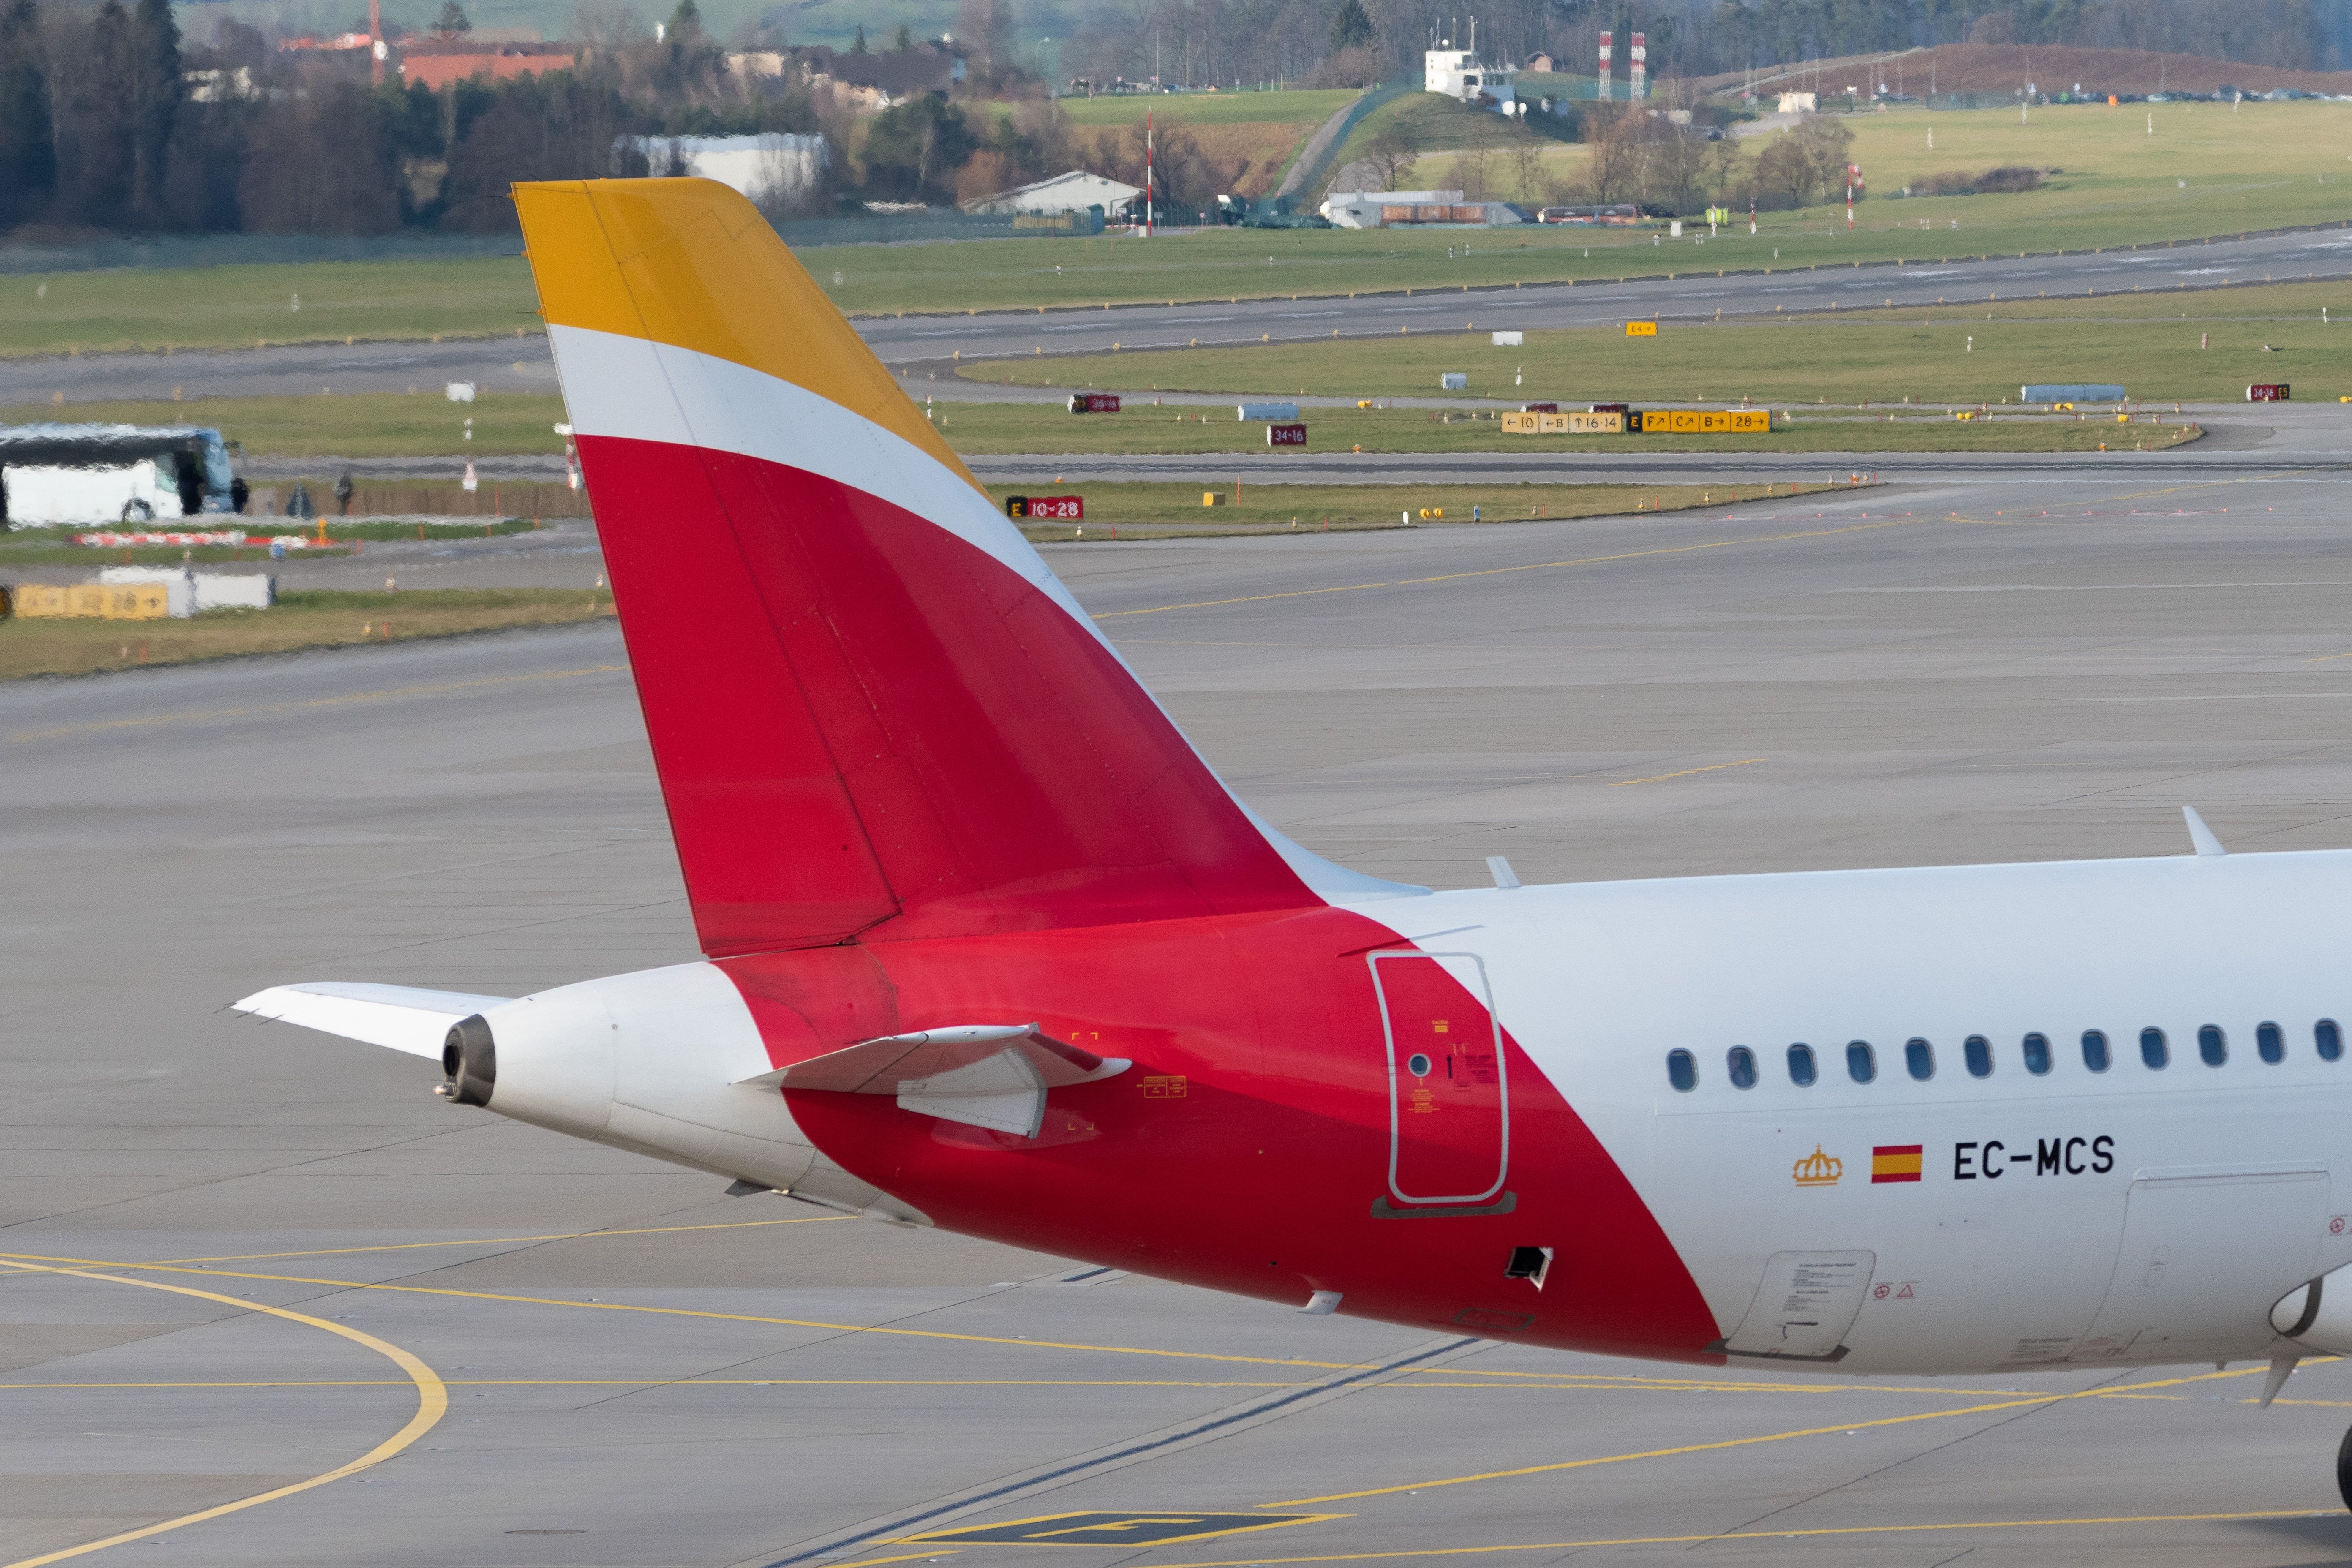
(1526, 153)
(1614, 165)
(1674, 165)
(1393, 151)
(1473, 167)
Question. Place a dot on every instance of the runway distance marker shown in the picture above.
(432, 1403)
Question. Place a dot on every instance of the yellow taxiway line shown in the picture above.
(432, 1403)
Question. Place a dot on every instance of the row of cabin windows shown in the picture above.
(1976, 1055)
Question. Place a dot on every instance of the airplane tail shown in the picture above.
(872, 706)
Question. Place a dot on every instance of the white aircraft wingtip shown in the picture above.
(399, 1018)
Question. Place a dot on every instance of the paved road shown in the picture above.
(641, 1372)
(2283, 444)
(1698, 294)
(506, 364)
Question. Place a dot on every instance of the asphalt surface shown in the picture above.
(504, 364)
(1697, 293)
(285, 1246)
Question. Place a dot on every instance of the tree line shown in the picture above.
(1636, 158)
(1201, 42)
(110, 121)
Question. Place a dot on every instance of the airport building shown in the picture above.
(1461, 74)
(1072, 192)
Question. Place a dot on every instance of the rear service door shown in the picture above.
(1449, 1094)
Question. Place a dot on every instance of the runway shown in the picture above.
(511, 366)
(2044, 472)
(238, 1260)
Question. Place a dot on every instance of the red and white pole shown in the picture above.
(1850, 172)
(1147, 174)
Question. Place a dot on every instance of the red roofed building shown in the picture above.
(437, 64)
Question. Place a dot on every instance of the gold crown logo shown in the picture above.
(1818, 1169)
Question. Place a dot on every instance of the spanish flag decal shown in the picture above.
(1894, 1163)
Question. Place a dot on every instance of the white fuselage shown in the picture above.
(2025, 1239)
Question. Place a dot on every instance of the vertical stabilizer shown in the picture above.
(873, 707)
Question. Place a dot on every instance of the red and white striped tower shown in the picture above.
(1606, 40)
(1637, 74)
(1147, 174)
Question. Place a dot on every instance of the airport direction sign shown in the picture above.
(1046, 508)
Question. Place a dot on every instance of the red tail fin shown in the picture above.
(869, 699)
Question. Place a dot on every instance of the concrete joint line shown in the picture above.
(1257, 1411)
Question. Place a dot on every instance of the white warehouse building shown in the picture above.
(1072, 192)
(776, 167)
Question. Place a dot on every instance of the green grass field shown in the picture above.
(1137, 511)
(372, 425)
(2206, 171)
(239, 307)
(362, 424)
(1972, 353)
(999, 428)
(54, 547)
(1297, 106)
(1442, 125)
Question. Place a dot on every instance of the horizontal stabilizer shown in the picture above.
(983, 1075)
(882, 1065)
(400, 1017)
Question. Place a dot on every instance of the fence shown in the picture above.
(391, 497)
(235, 249)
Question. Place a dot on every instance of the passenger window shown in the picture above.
(1860, 1063)
(1682, 1070)
(1801, 1064)
(2152, 1048)
(1977, 1052)
(2213, 1045)
(2095, 1050)
(2037, 1054)
(1919, 1060)
(1742, 1066)
(2270, 1043)
(2328, 1039)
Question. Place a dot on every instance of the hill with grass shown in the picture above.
(1983, 69)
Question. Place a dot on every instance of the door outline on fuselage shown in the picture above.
(2143, 1317)
(1482, 994)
